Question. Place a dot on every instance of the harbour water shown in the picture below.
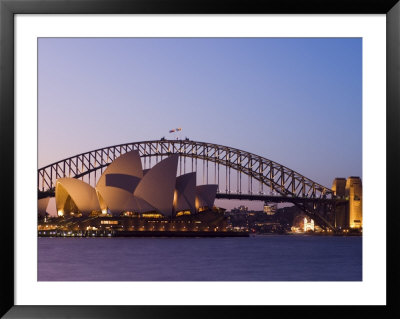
(255, 258)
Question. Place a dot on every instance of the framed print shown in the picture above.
(171, 159)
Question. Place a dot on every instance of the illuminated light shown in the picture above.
(109, 222)
(309, 226)
(60, 213)
(152, 216)
(175, 201)
(184, 212)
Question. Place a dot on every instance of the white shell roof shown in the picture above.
(126, 182)
(158, 185)
(83, 195)
(185, 188)
(42, 205)
(127, 164)
(125, 187)
(205, 194)
(118, 200)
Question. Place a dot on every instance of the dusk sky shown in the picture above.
(294, 101)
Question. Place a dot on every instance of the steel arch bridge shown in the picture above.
(256, 178)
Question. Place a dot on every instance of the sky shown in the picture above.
(296, 101)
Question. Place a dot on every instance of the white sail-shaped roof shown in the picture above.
(144, 207)
(158, 185)
(185, 192)
(127, 164)
(125, 187)
(125, 182)
(83, 196)
(118, 200)
(205, 195)
(42, 206)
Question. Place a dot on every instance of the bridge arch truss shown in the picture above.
(235, 171)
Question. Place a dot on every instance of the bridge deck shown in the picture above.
(276, 199)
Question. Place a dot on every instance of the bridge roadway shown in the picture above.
(251, 197)
(279, 199)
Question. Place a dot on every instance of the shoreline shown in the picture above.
(116, 233)
(309, 234)
(167, 234)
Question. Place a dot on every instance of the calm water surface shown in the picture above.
(259, 258)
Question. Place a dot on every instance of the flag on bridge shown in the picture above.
(179, 129)
(171, 131)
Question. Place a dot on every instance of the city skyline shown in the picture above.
(297, 102)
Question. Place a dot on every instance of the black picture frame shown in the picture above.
(8, 8)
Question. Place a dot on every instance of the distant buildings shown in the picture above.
(270, 209)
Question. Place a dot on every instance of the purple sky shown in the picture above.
(295, 101)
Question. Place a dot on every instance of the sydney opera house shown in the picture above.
(125, 187)
(130, 198)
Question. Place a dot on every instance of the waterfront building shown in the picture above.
(125, 188)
